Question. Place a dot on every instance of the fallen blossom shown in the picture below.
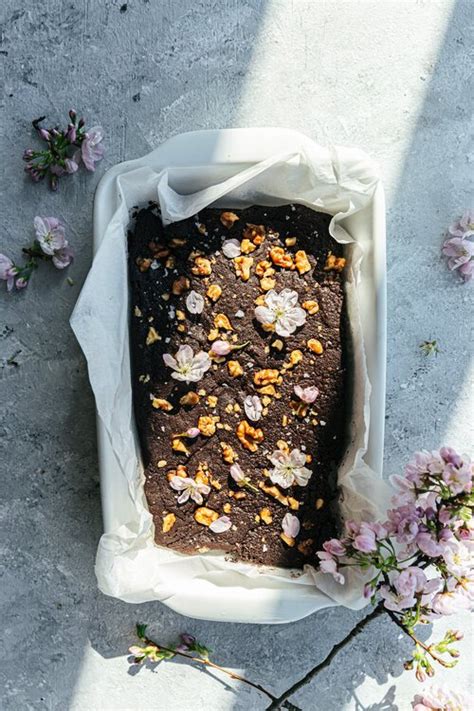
(308, 394)
(231, 248)
(282, 311)
(220, 525)
(290, 525)
(253, 407)
(194, 302)
(8, 271)
(289, 469)
(442, 699)
(190, 489)
(188, 367)
(91, 149)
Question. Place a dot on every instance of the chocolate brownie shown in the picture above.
(238, 342)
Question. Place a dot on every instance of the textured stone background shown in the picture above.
(391, 76)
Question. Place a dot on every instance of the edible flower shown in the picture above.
(290, 525)
(194, 302)
(253, 407)
(220, 525)
(289, 468)
(188, 367)
(282, 311)
(307, 395)
(189, 489)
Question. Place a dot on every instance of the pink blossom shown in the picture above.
(307, 395)
(411, 580)
(403, 522)
(63, 257)
(428, 545)
(7, 271)
(91, 150)
(221, 348)
(290, 525)
(21, 283)
(463, 227)
(193, 432)
(396, 602)
(220, 525)
(466, 270)
(334, 547)
(458, 558)
(458, 250)
(458, 479)
(448, 603)
(328, 564)
(50, 234)
(441, 699)
(450, 456)
(365, 541)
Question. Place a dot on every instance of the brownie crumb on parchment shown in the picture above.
(239, 360)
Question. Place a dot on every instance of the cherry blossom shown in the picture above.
(282, 311)
(188, 367)
(289, 469)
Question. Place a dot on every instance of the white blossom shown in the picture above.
(189, 488)
(231, 248)
(188, 367)
(289, 468)
(282, 310)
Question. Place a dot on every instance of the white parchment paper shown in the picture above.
(129, 565)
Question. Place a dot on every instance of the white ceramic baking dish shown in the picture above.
(192, 156)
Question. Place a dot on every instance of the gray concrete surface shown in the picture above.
(390, 76)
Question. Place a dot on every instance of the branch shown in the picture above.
(208, 663)
(276, 704)
(411, 634)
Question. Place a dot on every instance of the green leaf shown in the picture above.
(141, 630)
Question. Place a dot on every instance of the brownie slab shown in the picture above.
(238, 343)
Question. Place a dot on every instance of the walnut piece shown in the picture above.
(228, 219)
(287, 539)
(222, 321)
(181, 471)
(266, 376)
(143, 263)
(177, 445)
(319, 504)
(249, 437)
(266, 515)
(293, 503)
(180, 285)
(234, 368)
(268, 390)
(168, 522)
(213, 334)
(334, 263)
(189, 399)
(242, 267)
(315, 346)
(267, 283)
(159, 404)
(281, 258)
(312, 307)
(246, 246)
(205, 516)
(152, 336)
(264, 268)
(228, 453)
(213, 292)
(290, 241)
(201, 267)
(302, 262)
(207, 425)
(212, 401)
(274, 492)
(256, 233)
(305, 546)
(227, 508)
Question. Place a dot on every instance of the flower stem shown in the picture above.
(412, 635)
(208, 663)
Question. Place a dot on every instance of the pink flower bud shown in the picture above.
(44, 134)
(221, 348)
(193, 432)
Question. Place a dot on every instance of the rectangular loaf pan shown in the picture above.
(191, 158)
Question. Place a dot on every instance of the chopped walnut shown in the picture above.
(181, 471)
(201, 267)
(290, 241)
(228, 219)
(240, 495)
(267, 283)
(312, 307)
(178, 446)
(315, 346)
(302, 262)
(228, 453)
(293, 503)
(266, 515)
(137, 312)
(300, 409)
(266, 401)
(283, 446)
(207, 425)
(213, 292)
(242, 267)
(152, 336)
(278, 344)
(213, 334)
(295, 357)
(189, 399)
(212, 401)
(159, 250)
(246, 246)
(266, 376)
(159, 404)
(180, 315)
(268, 390)
(334, 263)
(205, 516)
(287, 539)
(227, 508)
(215, 484)
(178, 242)
(305, 546)
(256, 233)
(180, 285)
(222, 321)
(319, 504)
(168, 522)
(234, 368)
(143, 263)
(260, 300)
(181, 327)
(281, 258)
(201, 477)
(274, 492)
(249, 437)
(263, 267)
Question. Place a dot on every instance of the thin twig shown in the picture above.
(418, 641)
(276, 704)
(208, 663)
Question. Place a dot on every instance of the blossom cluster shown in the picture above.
(50, 245)
(419, 562)
(66, 150)
(459, 248)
